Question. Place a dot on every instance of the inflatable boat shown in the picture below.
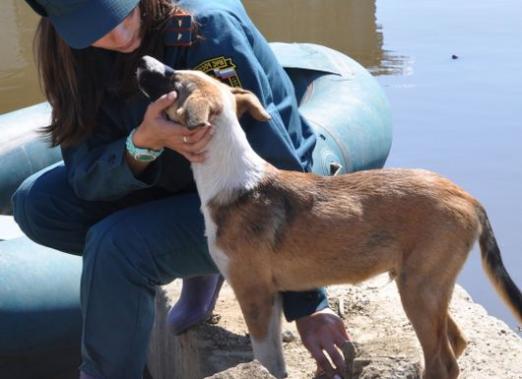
(40, 320)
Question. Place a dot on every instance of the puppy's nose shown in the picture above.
(169, 72)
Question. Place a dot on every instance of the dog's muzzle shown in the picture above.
(154, 77)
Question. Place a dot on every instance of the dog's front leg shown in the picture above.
(259, 302)
(262, 312)
(269, 349)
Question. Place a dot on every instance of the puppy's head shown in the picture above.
(200, 97)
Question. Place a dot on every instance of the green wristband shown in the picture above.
(139, 153)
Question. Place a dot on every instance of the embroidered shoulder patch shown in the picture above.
(221, 68)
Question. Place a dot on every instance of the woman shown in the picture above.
(124, 197)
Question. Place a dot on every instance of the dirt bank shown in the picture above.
(387, 346)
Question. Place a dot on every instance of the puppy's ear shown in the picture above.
(196, 111)
(246, 101)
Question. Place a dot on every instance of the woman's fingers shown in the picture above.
(163, 102)
(325, 353)
(150, 133)
(336, 356)
(182, 134)
(189, 143)
(323, 333)
(321, 360)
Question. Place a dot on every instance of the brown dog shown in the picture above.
(271, 230)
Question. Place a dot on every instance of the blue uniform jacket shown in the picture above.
(230, 48)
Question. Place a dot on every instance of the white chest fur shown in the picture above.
(231, 166)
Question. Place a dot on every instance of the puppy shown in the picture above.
(271, 230)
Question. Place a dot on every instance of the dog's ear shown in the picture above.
(246, 101)
(196, 111)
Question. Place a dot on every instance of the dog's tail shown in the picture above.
(494, 267)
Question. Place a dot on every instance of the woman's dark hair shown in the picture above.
(71, 79)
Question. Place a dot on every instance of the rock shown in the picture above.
(251, 370)
(386, 345)
(288, 336)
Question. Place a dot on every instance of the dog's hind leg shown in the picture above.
(425, 302)
(261, 309)
(457, 340)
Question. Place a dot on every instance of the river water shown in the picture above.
(452, 72)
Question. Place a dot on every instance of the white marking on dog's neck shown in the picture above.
(231, 164)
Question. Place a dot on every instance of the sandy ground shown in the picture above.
(387, 346)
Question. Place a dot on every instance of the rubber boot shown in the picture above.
(196, 302)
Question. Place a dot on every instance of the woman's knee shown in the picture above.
(48, 212)
(153, 242)
(29, 208)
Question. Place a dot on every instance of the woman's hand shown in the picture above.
(156, 132)
(323, 331)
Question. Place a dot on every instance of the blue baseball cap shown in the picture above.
(82, 22)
